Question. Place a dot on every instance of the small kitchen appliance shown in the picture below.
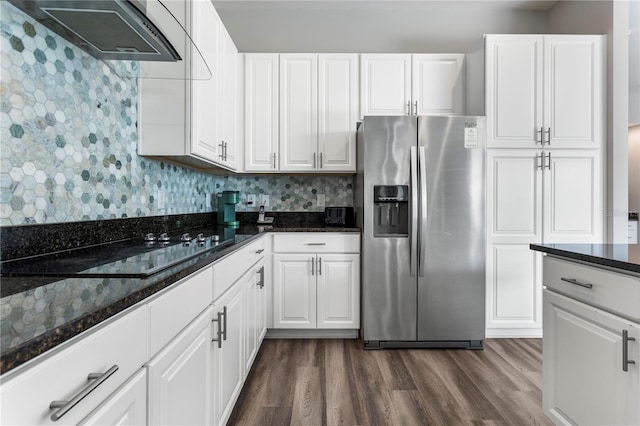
(339, 216)
(420, 197)
(227, 201)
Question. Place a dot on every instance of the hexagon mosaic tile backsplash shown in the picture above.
(69, 141)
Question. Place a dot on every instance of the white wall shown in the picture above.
(371, 27)
(610, 18)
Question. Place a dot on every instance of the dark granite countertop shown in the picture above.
(44, 313)
(625, 257)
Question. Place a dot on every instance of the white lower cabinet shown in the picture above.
(584, 377)
(126, 407)
(226, 353)
(116, 350)
(316, 281)
(180, 379)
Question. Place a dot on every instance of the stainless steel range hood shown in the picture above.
(121, 30)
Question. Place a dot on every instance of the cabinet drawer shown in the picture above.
(614, 292)
(177, 307)
(321, 242)
(230, 268)
(63, 375)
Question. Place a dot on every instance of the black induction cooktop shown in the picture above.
(120, 259)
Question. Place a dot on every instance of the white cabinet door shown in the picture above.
(514, 72)
(385, 84)
(438, 84)
(126, 407)
(249, 282)
(514, 220)
(338, 290)
(544, 88)
(583, 377)
(227, 85)
(573, 78)
(573, 200)
(180, 378)
(261, 112)
(298, 112)
(227, 361)
(294, 290)
(205, 126)
(337, 112)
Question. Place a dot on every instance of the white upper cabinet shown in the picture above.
(261, 112)
(298, 112)
(385, 84)
(337, 112)
(301, 112)
(193, 121)
(544, 90)
(404, 84)
(438, 84)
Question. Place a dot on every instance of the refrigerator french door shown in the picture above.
(420, 200)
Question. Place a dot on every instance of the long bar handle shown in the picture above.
(625, 350)
(221, 152)
(408, 107)
(224, 329)
(274, 160)
(261, 277)
(315, 244)
(320, 160)
(219, 332)
(413, 232)
(415, 106)
(422, 253)
(314, 160)
(576, 282)
(313, 265)
(548, 138)
(539, 132)
(66, 406)
(548, 156)
(319, 266)
(539, 161)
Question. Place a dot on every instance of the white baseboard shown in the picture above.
(294, 333)
(513, 333)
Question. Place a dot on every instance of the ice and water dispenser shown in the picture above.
(391, 211)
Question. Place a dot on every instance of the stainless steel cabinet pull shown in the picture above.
(261, 277)
(548, 133)
(219, 332)
(225, 150)
(274, 160)
(576, 282)
(259, 251)
(319, 266)
(539, 161)
(312, 266)
(625, 350)
(548, 165)
(408, 107)
(221, 151)
(320, 160)
(224, 329)
(66, 406)
(316, 244)
(415, 105)
(539, 132)
(314, 160)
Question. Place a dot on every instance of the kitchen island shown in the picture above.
(591, 329)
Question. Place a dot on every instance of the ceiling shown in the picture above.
(376, 26)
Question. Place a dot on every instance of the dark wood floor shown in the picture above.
(336, 382)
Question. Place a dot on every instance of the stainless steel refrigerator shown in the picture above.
(420, 202)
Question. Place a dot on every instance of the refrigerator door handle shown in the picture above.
(413, 232)
(422, 167)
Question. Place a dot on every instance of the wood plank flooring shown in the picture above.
(337, 382)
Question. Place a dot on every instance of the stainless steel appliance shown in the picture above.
(420, 201)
